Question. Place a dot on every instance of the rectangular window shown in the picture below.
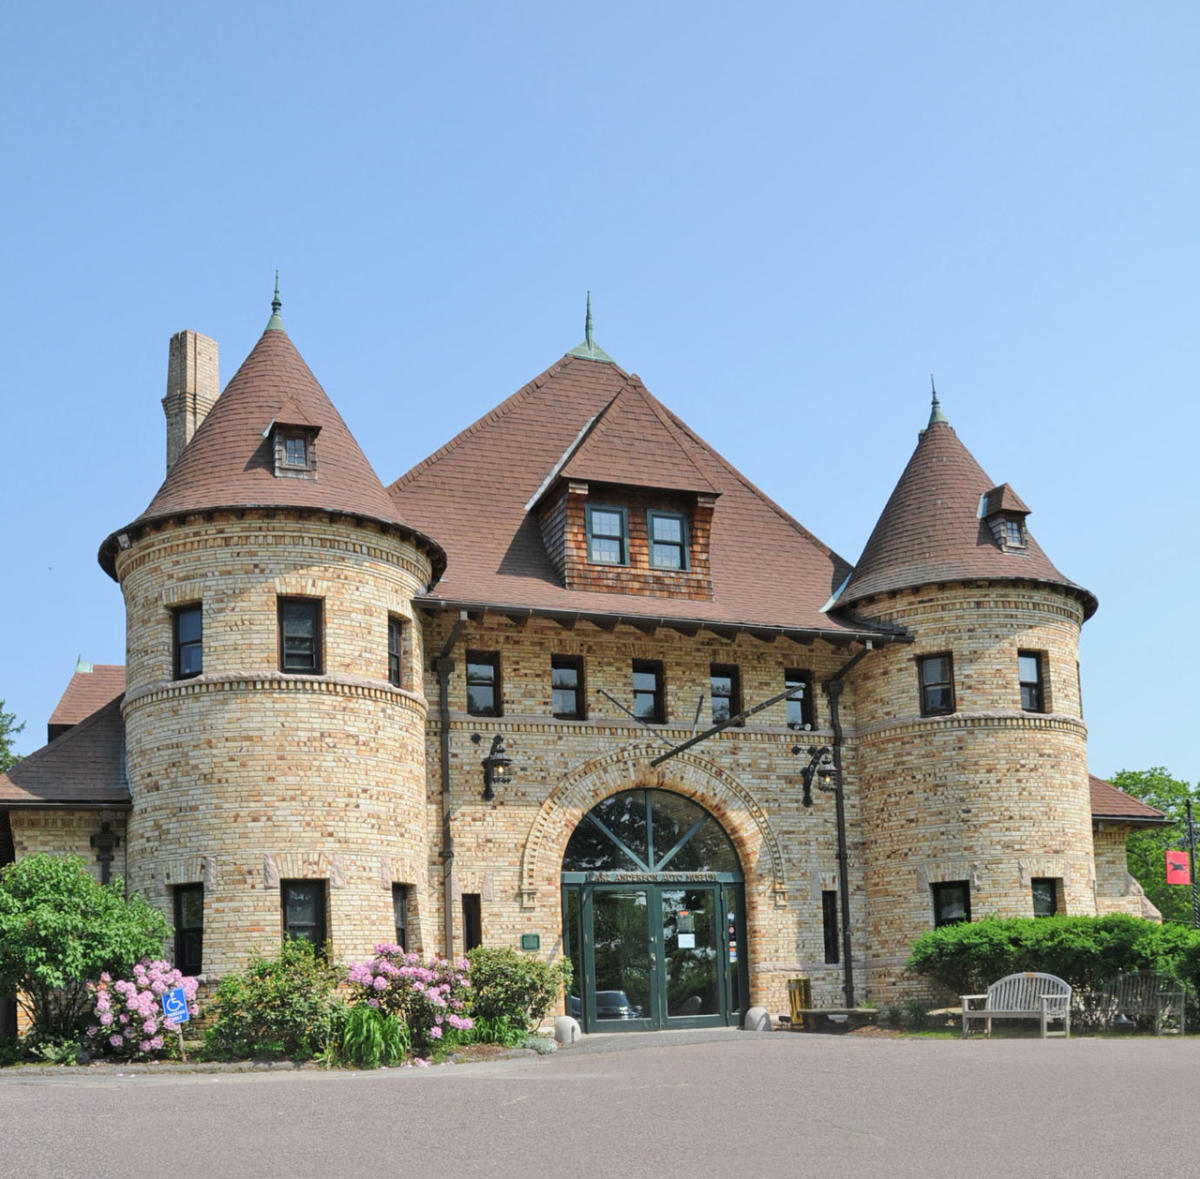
(483, 683)
(725, 687)
(1029, 672)
(472, 912)
(395, 651)
(951, 902)
(829, 923)
(937, 684)
(300, 635)
(1045, 896)
(303, 904)
(189, 928)
(566, 685)
(400, 910)
(295, 452)
(188, 625)
(800, 711)
(648, 699)
(668, 540)
(608, 536)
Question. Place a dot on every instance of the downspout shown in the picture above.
(444, 666)
(833, 690)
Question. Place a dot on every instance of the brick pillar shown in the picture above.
(193, 385)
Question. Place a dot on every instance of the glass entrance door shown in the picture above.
(653, 916)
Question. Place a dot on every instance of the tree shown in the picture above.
(8, 730)
(1146, 848)
(60, 930)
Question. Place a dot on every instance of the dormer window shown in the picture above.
(668, 540)
(293, 442)
(608, 535)
(1004, 512)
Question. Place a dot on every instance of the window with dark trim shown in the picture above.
(400, 911)
(303, 906)
(472, 911)
(566, 686)
(189, 928)
(936, 678)
(1045, 896)
(829, 926)
(395, 650)
(800, 711)
(300, 635)
(187, 626)
(483, 683)
(1029, 672)
(951, 902)
(725, 687)
(668, 540)
(607, 535)
(648, 697)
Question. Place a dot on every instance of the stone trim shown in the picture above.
(276, 681)
(689, 775)
(1060, 722)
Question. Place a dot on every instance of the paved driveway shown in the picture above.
(664, 1105)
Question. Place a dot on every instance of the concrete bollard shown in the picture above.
(758, 1019)
(566, 1030)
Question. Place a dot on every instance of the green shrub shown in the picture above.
(514, 987)
(285, 1006)
(370, 1038)
(1086, 952)
(60, 929)
(492, 1029)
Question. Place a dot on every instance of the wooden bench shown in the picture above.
(832, 1019)
(1031, 995)
(1153, 996)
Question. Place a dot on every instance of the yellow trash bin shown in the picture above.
(799, 998)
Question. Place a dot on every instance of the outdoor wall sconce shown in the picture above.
(820, 767)
(495, 766)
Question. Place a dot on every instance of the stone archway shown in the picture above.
(707, 784)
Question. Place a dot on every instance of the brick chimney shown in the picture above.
(193, 385)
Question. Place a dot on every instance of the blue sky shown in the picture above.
(789, 215)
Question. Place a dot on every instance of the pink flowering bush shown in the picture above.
(127, 1014)
(429, 997)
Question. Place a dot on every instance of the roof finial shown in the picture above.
(275, 323)
(935, 414)
(587, 323)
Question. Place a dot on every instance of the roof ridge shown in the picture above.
(495, 414)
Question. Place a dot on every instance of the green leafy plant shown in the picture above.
(915, 1012)
(282, 1006)
(370, 1038)
(494, 1029)
(59, 930)
(514, 987)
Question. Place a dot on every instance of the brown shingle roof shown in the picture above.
(83, 767)
(1110, 803)
(930, 530)
(633, 442)
(88, 691)
(229, 463)
(766, 568)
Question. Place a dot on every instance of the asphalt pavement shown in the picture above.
(638, 1104)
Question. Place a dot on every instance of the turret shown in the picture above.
(972, 748)
(274, 711)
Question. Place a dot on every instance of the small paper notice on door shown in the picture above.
(687, 941)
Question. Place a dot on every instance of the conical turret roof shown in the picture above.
(230, 463)
(933, 528)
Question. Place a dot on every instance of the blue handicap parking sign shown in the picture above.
(174, 1005)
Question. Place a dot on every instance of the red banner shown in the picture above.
(1177, 868)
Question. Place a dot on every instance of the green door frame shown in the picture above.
(728, 897)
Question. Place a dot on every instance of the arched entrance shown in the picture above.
(654, 916)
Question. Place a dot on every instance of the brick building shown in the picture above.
(463, 707)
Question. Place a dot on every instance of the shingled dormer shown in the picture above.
(1004, 512)
(293, 441)
(625, 509)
